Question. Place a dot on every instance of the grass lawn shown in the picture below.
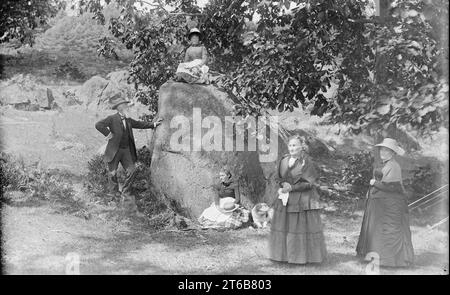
(37, 240)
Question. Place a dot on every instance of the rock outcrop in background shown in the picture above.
(95, 92)
(23, 92)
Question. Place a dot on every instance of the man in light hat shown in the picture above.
(121, 147)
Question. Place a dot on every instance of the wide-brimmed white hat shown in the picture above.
(228, 205)
(393, 145)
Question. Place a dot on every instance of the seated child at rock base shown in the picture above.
(225, 211)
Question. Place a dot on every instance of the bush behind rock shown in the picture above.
(70, 71)
(96, 180)
(358, 172)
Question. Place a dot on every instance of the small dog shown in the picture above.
(262, 215)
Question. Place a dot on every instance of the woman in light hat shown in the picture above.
(225, 211)
(385, 228)
(194, 68)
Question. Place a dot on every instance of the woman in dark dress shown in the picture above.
(385, 229)
(296, 233)
(227, 188)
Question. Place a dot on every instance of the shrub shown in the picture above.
(358, 172)
(50, 185)
(154, 205)
(69, 70)
(423, 180)
(150, 202)
(96, 180)
(144, 156)
(12, 174)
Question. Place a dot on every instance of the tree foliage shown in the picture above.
(21, 17)
(386, 70)
(399, 80)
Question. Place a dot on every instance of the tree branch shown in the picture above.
(374, 20)
(151, 4)
(187, 14)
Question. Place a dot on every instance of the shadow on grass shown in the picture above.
(109, 263)
(30, 202)
(430, 259)
(111, 255)
(335, 263)
(181, 240)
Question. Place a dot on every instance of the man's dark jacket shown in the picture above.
(114, 125)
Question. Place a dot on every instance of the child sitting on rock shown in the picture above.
(194, 68)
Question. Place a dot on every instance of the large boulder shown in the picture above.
(117, 82)
(91, 91)
(95, 92)
(188, 175)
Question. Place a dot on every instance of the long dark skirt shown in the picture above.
(296, 237)
(385, 231)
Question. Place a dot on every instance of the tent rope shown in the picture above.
(439, 223)
(416, 201)
(429, 200)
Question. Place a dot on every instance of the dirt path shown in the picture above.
(37, 240)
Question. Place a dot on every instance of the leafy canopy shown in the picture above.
(329, 57)
(21, 17)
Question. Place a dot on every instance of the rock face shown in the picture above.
(188, 175)
(96, 91)
(91, 91)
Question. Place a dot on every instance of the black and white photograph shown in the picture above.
(223, 138)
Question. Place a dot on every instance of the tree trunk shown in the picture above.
(380, 60)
